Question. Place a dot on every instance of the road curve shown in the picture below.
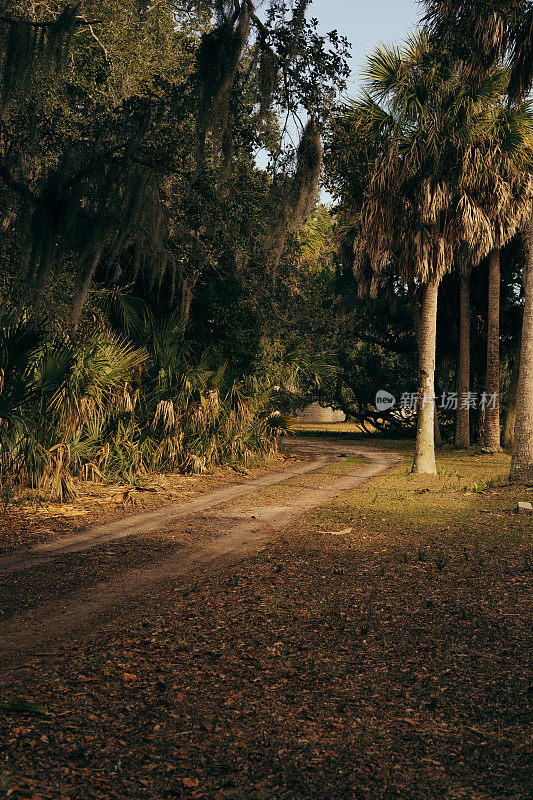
(238, 521)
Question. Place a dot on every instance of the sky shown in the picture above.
(366, 23)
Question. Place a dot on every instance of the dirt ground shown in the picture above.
(99, 568)
(377, 647)
(30, 522)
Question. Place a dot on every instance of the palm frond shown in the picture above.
(382, 72)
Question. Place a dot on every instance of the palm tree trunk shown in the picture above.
(492, 386)
(510, 416)
(424, 463)
(462, 424)
(438, 434)
(522, 463)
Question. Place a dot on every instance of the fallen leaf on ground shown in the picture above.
(340, 533)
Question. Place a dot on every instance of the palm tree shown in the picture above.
(444, 166)
(504, 191)
(500, 27)
(522, 463)
(510, 416)
(508, 212)
(492, 385)
(462, 427)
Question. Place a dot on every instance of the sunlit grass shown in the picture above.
(469, 498)
(326, 427)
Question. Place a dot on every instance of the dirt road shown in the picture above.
(377, 647)
(52, 594)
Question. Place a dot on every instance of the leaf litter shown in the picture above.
(393, 662)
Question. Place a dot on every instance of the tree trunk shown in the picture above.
(417, 326)
(491, 440)
(510, 416)
(186, 300)
(462, 423)
(522, 464)
(438, 435)
(424, 463)
(85, 285)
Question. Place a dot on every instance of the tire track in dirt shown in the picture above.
(231, 533)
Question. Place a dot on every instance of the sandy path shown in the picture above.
(231, 523)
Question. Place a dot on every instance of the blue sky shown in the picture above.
(366, 23)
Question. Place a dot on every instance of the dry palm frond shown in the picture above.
(211, 402)
(165, 416)
(196, 464)
(127, 401)
(476, 229)
(57, 482)
(434, 196)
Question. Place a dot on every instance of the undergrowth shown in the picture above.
(98, 405)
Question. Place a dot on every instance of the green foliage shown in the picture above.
(137, 257)
(130, 136)
(94, 406)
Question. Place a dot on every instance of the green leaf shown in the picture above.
(21, 706)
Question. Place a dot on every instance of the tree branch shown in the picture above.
(99, 41)
(17, 186)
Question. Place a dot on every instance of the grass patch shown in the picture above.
(325, 427)
(468, 499)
